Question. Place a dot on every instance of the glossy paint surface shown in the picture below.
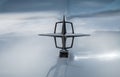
(25, 54)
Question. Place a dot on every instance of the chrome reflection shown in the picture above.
(59, 69)
(98, 56)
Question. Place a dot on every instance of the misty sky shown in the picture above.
(24, 54)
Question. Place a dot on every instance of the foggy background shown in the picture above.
(25, 54)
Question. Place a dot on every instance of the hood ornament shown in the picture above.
(64, 36)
